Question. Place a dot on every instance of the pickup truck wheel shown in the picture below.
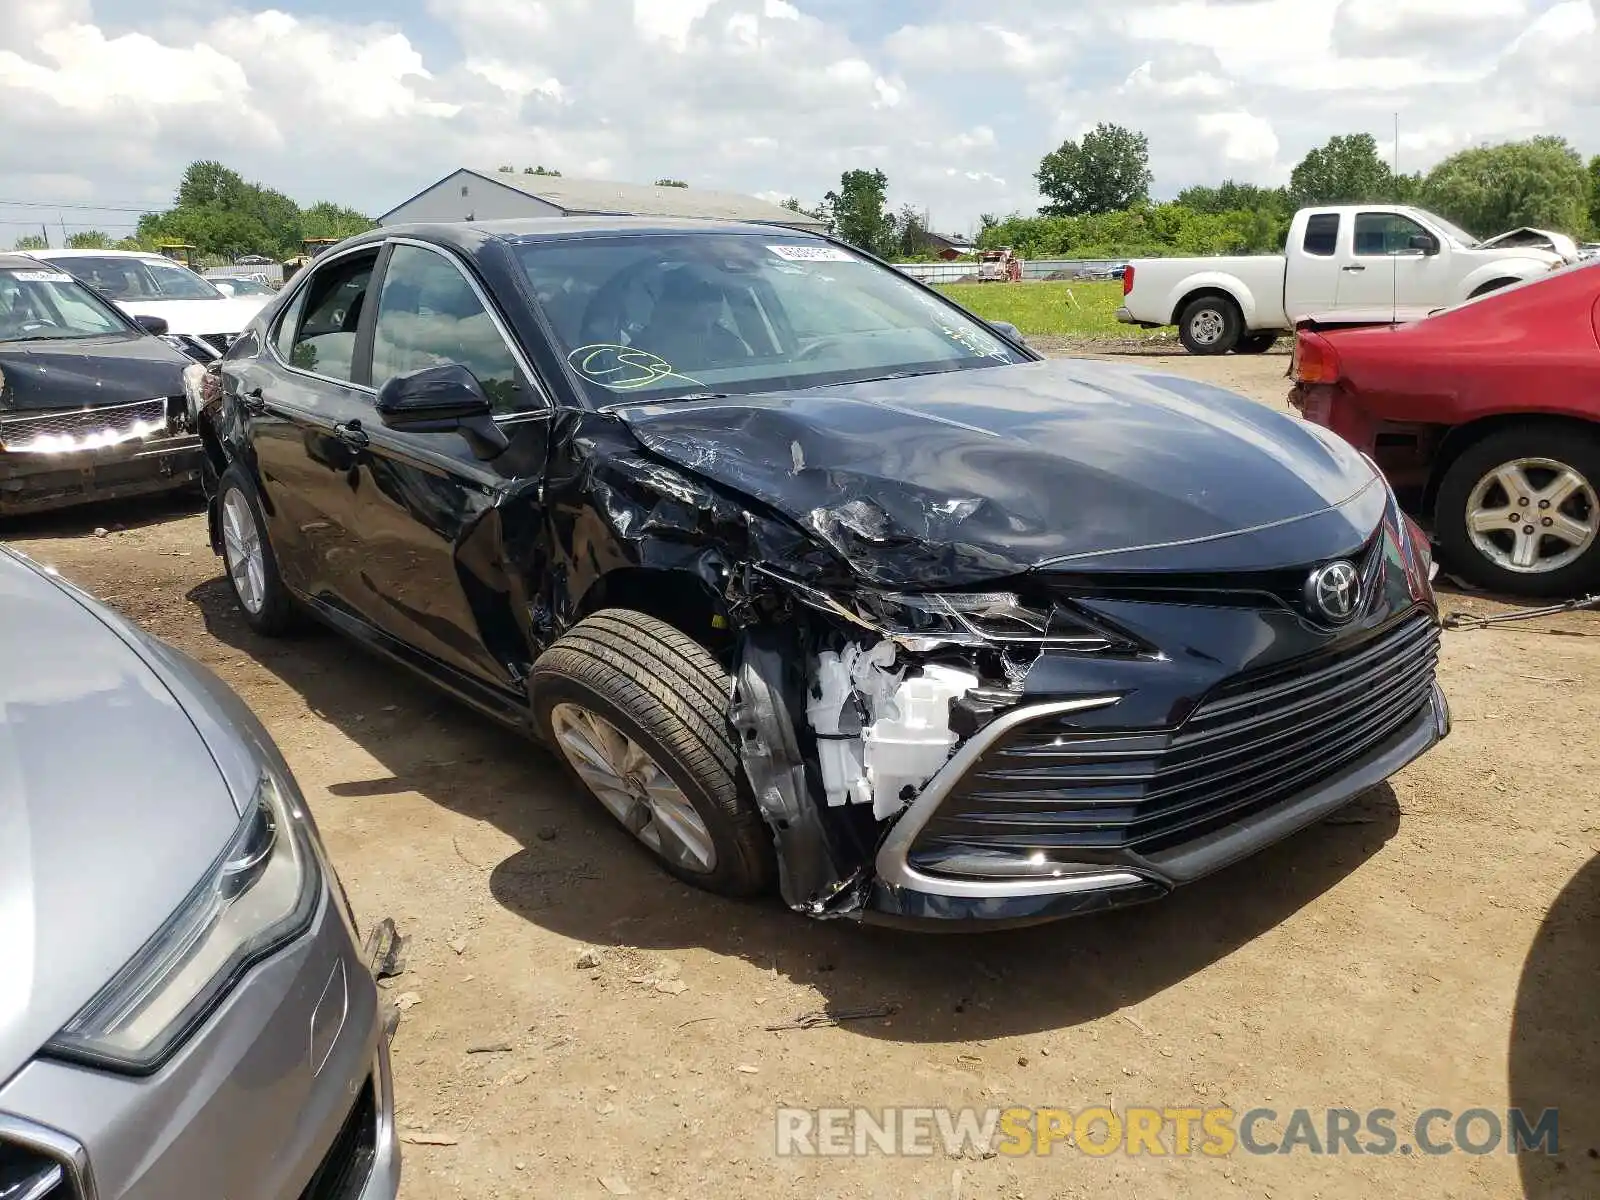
(1210, 325)
(1519, 512)
(639, 713)
(1256, 343)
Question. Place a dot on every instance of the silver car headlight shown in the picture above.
(259, 895)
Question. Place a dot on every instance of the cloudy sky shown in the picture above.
(366, 101)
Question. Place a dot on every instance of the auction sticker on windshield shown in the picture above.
(793, 253)
(41, 276)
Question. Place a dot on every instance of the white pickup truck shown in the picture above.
(1356, 265)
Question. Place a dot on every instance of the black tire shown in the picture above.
(1210, 324)
(1572, 446)
(665, 692)
(1256, 343)
(276, 615)
(1494, 285)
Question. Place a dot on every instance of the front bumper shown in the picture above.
(285, 1094)
(39, 482)
(905, 895)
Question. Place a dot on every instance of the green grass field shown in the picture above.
(1069, 310)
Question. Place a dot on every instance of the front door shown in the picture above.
(431, 517)
(303, 403)
(1366, 276)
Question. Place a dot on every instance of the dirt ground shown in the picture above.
(1435, 945)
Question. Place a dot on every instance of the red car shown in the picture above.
(1486, 420)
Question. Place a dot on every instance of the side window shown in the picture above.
(1322, 235)
(1385, 233)
(288, 322)
(428, 315)
(324, 339)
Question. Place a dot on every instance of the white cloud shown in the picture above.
(766, 96)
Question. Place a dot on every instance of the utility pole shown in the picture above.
(46, 234)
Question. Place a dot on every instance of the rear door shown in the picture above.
(1311, 279)
(431, 517)
(303, 401)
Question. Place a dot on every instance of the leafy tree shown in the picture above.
(539, 170)
(507, 169)
(89, 239)
(910, 234)
(1107, 171)
(1594, 195)
(1489, 189)
(32, 241)
(856, 210)
(1229, 196)
(671, 183)
(1346, 170)
(325, 219)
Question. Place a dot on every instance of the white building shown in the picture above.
(468, 195)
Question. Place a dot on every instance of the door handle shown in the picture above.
(1353, 267)
(253, 402)
(351, 433)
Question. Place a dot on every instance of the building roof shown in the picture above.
(600, 197)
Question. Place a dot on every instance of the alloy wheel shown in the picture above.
(241, 551)
(1533, 515)
(628, 781)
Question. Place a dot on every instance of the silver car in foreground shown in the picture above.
(184, 1009)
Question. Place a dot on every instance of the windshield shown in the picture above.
(665, 315)
(47, 305)
(1454, 232)
(138, 279)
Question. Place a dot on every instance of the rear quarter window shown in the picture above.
(1322, 235)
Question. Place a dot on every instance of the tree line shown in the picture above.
(1097, 192)
(223, 217)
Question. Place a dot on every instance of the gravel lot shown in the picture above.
(1435, 945)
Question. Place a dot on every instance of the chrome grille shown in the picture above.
(1253, 742)
(59, 430)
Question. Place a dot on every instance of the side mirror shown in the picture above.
(1007, 330)
(1426, 242)
(443, 399)
(155, 325)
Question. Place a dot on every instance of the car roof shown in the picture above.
(16, 262)
(520, 230)
(50, 254)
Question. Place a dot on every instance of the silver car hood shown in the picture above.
(112, 805)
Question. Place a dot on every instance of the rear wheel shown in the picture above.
(639, 713)
(1210, 325)
(1519, 512)
(1256, 343)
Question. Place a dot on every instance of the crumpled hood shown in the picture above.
(199, 316)
(951, 479)
(87, 372)
(1527, 241)
(111, 807)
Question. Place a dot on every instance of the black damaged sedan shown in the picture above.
(92, 405)
(812, 579)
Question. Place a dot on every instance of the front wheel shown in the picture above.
(262, 596)
(639, 713)
(1210, 325)
(1519, 512)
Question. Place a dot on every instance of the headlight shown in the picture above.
(979, 618)
(194, 381)
(260, 894)
(924, 621)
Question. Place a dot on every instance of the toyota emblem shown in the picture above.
(1334, 591)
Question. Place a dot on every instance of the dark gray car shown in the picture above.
(184, 1010)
